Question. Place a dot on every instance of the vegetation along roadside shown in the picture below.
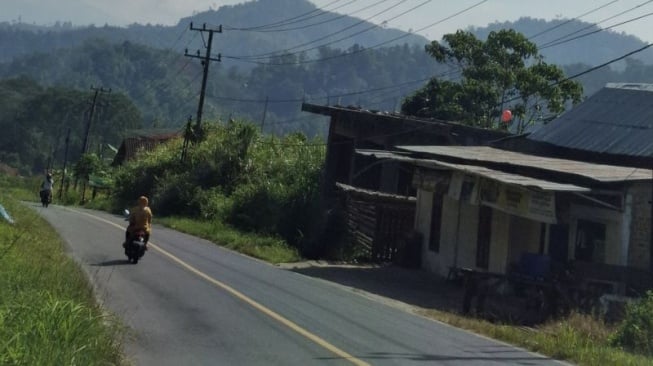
(48, 315)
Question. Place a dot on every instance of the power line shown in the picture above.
(322, 22)
(331, 96)
(591, 69)
(605, 63)
(595, 24)
(286, 21)
(372, 47)
(287, 50)
(571, 20)
(165, 85)
(183, 31)
(596, 31)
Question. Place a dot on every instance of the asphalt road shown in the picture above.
(189, 302)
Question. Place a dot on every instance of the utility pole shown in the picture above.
(187, 138)
(205, 62)
(65, 160)
(265, 111)
(90, 116)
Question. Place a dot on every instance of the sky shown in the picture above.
(418, 15)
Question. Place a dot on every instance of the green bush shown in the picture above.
(174, 195)
(635, 333)
(257, 207)
(213, 204)
(258, 183)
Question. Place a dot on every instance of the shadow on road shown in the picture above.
(413, 287)
(113, 262)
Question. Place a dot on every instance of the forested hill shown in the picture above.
(565, 41)
(251, 28)
(245, 33)
(155, 85)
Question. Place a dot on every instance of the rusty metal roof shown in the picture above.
(618, 120)
(598, 172)
(497, 175)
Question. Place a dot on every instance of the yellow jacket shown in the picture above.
(140, 218)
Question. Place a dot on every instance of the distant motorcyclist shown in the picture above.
(46, 189)
(140, 218)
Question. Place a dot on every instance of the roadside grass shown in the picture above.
(48, 315)
(20, 188)
(267, 248)
(578, 338)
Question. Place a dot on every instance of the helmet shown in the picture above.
(142, 200)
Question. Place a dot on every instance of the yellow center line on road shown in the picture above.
(256, 305)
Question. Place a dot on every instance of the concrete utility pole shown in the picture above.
(90, 116)
(205, 62)
(265, 111)
(65, 160)
(187, 138)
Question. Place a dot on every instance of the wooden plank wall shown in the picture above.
(378, 227)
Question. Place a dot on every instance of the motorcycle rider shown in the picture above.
(46, 188)
(140, 218)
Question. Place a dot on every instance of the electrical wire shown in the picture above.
(548, 45)
(571, 20)
(322, 22)
(368, 48)
(285, 21)
(287, 50)
(330, 96)
(587, 71)
(594, 24)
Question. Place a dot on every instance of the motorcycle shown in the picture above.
(135, 244)
(46, 197)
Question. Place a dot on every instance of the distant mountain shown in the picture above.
(592, 49)
(146, 62)
(252, 28)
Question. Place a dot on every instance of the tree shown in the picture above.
(503, 72)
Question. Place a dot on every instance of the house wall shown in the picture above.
(452, 232)
(639, 251)
(627, 240)
(511, 235)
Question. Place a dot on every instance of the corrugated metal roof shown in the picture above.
(618, 119)
(375, 194)
(497, 175)
(598, 172)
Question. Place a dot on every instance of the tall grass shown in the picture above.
(267, 248)
(47, 311)
(578, 338)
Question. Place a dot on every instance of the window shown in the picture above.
(590, 241)
(436, 223)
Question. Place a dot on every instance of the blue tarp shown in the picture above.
(5, 215)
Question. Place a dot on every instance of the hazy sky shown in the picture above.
(168, 12)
